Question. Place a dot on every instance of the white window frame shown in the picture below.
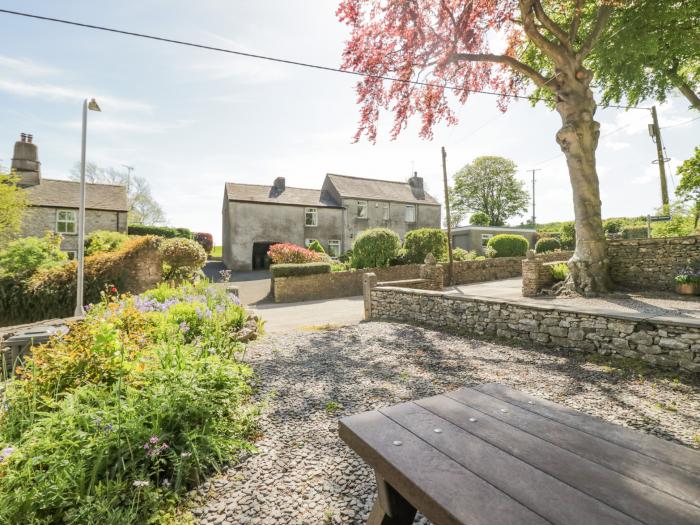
(413, 213)
(362, 205)
(66, 222)
(485, 239)
(387, 215)
(334, 243)
(313, 213)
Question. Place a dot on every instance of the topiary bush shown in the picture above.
(206, 241)
(509, 245)
(104, 241)
(288, 253)
(479, 219)
(547, 244)
(294, 270)
(375, 247)
(316, 246)
(22, 257)
(159, 231)
(182, 258)
(419, 243)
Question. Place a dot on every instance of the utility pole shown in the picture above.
(534, 217)
(449, 219)
(128, 184)
(655, 132)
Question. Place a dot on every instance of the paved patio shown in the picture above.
(646, 305)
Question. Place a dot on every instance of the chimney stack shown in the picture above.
(25, 161)
(279, 184)
(416, 181)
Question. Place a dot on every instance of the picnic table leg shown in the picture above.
(390, 507)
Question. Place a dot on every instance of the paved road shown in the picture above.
(309, 315)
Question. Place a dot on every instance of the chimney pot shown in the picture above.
(30, 137)
(279, 183)
(25, 161)
(23, 137)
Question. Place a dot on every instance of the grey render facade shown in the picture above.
(255, 217)
(475, 237)
(54, 204)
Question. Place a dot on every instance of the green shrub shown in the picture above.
(400, 258)
(23, 257)
(547, 244)
(460, 254)
(289, 253)
(49, 292)
(560, 271)
(509, 245)
(419, 243)
(159, 231)
(374, 247)
(479, 219)
(634, 232)
(104, 241)
(613, 225)
(346, 257)
(182, 258)
(316, 246)
(295, 270)
(117, 420)
(679, 226)
(567, 236)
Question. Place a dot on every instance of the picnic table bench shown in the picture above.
(492, 455)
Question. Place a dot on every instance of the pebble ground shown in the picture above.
(304, 474)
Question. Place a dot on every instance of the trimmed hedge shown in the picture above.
(635, 232)
(548, 244)
(182, 258)
(50, 293)
(509, 245)
(296, 270)
(289, 253)
(159, 231)
(419, 243)
(374, 248)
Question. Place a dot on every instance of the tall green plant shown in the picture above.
(23, 257)
(13, 204)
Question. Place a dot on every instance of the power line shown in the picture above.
(283, 60)
(680, 123)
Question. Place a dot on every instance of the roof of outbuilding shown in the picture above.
(381, 190)
(272, 195)
(66, 194)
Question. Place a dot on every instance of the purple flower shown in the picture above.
(154, 440)
(184, 327)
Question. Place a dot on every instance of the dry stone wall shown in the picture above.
(673, 343)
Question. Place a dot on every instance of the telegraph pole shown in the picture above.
(534, 217)
(449, 219)
(655, 132)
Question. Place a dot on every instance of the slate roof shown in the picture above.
(381, 190)
(66, 194)
(271, 195)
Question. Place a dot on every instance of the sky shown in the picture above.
(190, 120)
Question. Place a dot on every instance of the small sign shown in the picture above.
(659, 218)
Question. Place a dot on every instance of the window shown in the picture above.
(311, 217)
(334, 248)
(485, 238)
(361, 209)
(72, 255)
(386, 211)
(410, 213)
(66, 221)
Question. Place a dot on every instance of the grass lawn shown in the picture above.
(216, 251)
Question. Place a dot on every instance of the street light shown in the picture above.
(79, 310)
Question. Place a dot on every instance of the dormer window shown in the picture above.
(361, 209)
(311, 217)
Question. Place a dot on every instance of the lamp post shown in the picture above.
(79, 310)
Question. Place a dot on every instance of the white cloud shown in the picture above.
(27, 67)
(615, 145)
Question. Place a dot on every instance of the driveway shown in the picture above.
(310, 315)
(253, 287)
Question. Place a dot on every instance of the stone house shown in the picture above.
(475, 238)
(255, 216)
(54, 204)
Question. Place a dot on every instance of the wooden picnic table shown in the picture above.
(492, 455)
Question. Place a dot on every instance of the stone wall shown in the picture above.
(143, 269)
(671, 343)
(651, 264)
(537, 271)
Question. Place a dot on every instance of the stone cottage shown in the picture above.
(255, 216)
(54, 204)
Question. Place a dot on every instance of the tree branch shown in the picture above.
(602, 17)
(683, 86)
(575, 21)
(553, 50)
(513, 63)
(549, 24)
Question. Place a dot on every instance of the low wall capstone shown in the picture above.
(673, 343)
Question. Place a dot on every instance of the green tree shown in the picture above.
(143, 208)
(479, 219)
(488, 185)
(688, 188)
(13, 204)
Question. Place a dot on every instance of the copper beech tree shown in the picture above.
(444, 44)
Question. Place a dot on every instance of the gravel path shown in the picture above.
(304, 474)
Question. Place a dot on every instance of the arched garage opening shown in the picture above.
(260, 259)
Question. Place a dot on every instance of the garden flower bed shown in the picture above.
(136, 404)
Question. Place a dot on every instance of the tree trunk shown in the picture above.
(685, 89)
(578, 139)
